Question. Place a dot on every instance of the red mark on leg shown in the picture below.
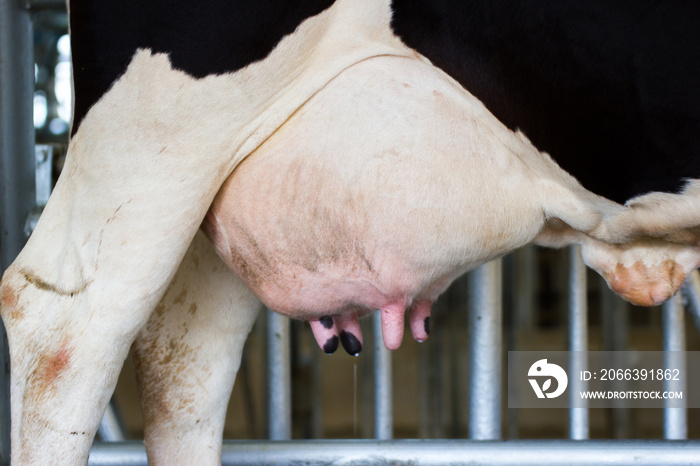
(8, 304)
(57, 363)
(50, 366)
(9, 299)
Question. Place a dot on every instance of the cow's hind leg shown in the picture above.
(187, 357)
(135, 188)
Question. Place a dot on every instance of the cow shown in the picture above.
(338, 159)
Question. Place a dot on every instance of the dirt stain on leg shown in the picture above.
(46, 286)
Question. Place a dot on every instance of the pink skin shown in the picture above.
(350, 333)
(420, 327)
(338, 212)
(344, 329)
(327, 338)
(392, 327)
(336, 220)
(393, 323)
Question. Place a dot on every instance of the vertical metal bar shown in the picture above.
(673, 342)
(315, 390)
(17, 192)
(424, 392)
(383, 400)
(559, 283)
(110, 428)
(43, 183)
(520, 315)
(367, 384)
(279, 393)
(16, 164)
(615, 312)
(691, 292)
(525, 282)
(434, 375)
(43, 155)
(485, 351)
(615, 318)
(578, 340)
(455, 393)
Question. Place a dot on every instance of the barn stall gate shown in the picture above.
(531, 300)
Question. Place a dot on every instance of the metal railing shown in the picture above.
(485, 415)
(16, 164)
(431, 452)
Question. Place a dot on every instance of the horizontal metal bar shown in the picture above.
(430, 452)
(129, 453)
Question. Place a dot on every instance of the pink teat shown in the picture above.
(330, 330)
(326, 334)
(419, 317)
(350, 333)
(392, 325)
